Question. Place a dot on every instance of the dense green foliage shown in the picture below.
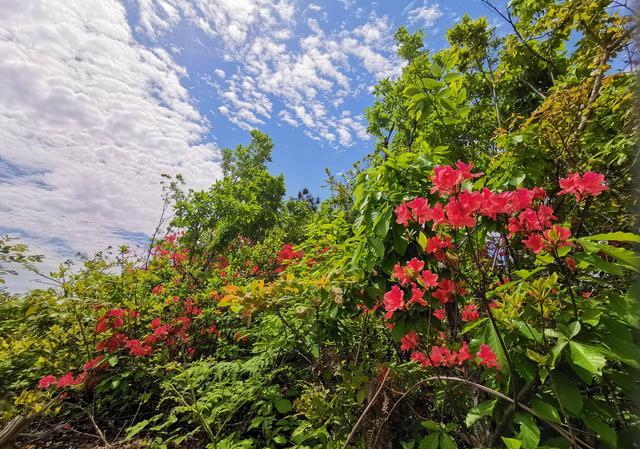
(257, 321)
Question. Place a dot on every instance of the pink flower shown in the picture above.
(403, 214)
(488, 357)
(137, 349)
(446, 179)
(393, 300)
(417, 296)
(157, 289)
(420, 209)
(409, 341)
(429, 279)
(470, 313)
(580, 186)
(91, 364)
(463, 354)
(439, 313)
(66, 380)
(47, 381)
(437, 245)
(534, 242)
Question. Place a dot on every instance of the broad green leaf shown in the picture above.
(568, 394)
(606, 433)
(430, 83)
(587, 357)
(511, 443)
(446, 442)
(282, 405)
(546, 410)
(431, 425)
(529, 434)
(436, 69)
(615, 236)
(482, 409)
(431, 441)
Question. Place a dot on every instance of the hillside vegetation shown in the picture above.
(468, 285)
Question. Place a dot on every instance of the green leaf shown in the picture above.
(378, 246)
(431, 441)
(446, 442)
(436, 69)
(482, 409)
(529, 434)
(430, 83)
(587, 357)
(282, 405)
(600, 264)
(591, 316)
(615, 236)
(431, 425)
(546, 411)
(511, 443)
(606, 433)
(627, 257)
(568, 394)
(422, 241)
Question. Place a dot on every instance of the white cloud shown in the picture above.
(89, 120)
(309, 76)
(425, 15)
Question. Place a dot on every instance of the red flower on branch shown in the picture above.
(393, 300)
(409, 341)
(488, 357)
(589, 184)
(470, 313)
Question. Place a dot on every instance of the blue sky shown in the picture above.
(101, 97)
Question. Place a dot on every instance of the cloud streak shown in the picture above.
(89, 120)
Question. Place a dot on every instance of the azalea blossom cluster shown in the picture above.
(443, 356)
(69, 379)
(525, 213)
(164, 333)
(169, 247)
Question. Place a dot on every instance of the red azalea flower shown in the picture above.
(589, 184)
(420, 209)
(437, 245)
(101, 326)
(488, 357)
(414, 266)
(409, 341)
(534, 242)
(158, 289)
(91, 364)
(429, 279)
(417, 296)
(403, 214)
(470, 313)
(393, 300)
(444, 291)
(47, 381)
(137, 349)
(446, 179)
(463, 354)
(439, 313)
(438, 216)
(66, 381)
(115, 313)
(420, 358)
(155, 323)
(459, 214)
